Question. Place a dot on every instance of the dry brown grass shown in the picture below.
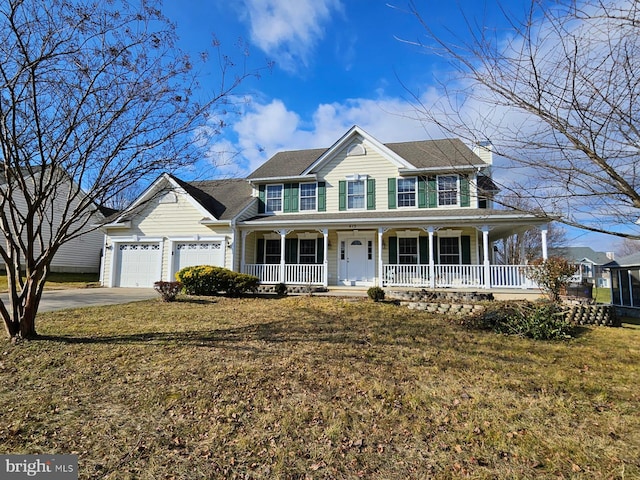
(309, 387)
(57, 281)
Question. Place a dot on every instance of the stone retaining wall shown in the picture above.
(438, 296)
(464, 303)
(446, 308)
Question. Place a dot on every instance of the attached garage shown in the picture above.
(137, 264)
(174, 225)
(190, 253)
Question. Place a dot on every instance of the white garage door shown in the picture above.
(138, 264)
(189, 254)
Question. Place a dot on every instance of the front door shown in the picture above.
(357, 265)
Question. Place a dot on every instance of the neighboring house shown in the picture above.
(625, 284)
(591, 264)
(81, 254)
(359, 213)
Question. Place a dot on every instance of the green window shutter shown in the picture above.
(423, 245)
(290, 200)
(371, 194)
(262, 189)
(294, 197)
(393, 250)
(465, 241)
(342, 195)
(392, 193)
(432, 192)
(322, 197)
(422, 192)
(320, 250)
(260, 251)
(464, 192)
(286, 201)
(291, 250)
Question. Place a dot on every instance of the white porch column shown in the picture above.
(243, 249)
(485, 254)
(283, 234)
(543, 232)
(325, 275)
(379, 281)
(432, 262)
(234, 237)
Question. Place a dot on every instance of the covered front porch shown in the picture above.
(426, 257)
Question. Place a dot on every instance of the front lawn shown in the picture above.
(317, 387)
(57, 281)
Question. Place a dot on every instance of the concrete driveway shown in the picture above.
(90, 297)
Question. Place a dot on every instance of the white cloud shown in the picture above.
(288, 30)
(267, 128)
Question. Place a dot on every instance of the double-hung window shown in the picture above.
(355, 194)
(407, 192)
(272, 251)
(274, 198)
(308, 251)
(449, 250)
(308, 196)
(447, 190)
(407, 250)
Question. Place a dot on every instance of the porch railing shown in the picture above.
(473, 276)
(294, 273)
(462, 276)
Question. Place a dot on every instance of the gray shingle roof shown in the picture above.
(223, 198)
(286, 164)
(577, 254)
(445, 153)
(632, 260)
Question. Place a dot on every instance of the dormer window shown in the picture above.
(274, 198)
(407, 192)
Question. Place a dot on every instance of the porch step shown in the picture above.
(347, 291)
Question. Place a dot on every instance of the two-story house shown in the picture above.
(358, 213)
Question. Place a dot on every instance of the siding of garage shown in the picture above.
(164, 218)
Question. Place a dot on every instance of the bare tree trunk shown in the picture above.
(20, 317)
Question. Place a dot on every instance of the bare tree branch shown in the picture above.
(557, 95)
(95, 97)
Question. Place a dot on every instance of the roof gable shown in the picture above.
(353, 133)
(219, 200)
(407, 156)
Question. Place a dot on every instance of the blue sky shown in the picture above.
(336, 63)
